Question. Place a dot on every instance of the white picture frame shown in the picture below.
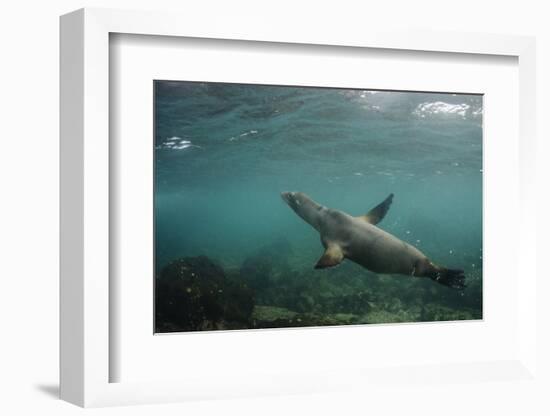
(85, 220)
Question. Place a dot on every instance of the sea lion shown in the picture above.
(361, 241)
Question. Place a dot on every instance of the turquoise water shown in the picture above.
(225, 152)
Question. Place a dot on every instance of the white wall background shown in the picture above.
(29, 191)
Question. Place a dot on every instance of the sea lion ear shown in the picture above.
(332, 256)
(375, 215)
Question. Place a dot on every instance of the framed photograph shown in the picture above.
(265, 213)
(229, 256)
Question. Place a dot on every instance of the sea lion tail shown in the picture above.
(453, 278)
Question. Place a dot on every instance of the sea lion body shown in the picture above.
(361, 241)
(370, 246)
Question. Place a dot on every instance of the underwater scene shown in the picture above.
(279, 206)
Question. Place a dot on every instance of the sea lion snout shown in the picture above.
(291, 198)
(286, 196)
(304, 206)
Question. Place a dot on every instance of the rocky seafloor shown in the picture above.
(266, 291)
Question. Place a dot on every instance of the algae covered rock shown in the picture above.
(385, 317)
(436, 312)
(193, 293)
(277, 317)
(272, 313)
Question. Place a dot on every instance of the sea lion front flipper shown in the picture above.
(332, 256)
(375, 215)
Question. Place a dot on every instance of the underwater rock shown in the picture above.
(436, 312)
(277, 317)
(311, 292)
(350, 303)
(193, 293)
(271, 313)
(385, 317)
(344, 318)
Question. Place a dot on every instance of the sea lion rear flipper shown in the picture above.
(453, 278)
(375, 215)
(332, 256)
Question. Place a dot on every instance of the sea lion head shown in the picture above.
(304, 206)
(294, 199)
